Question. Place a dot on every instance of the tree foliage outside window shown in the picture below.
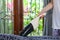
(31, 10)
(6, 18)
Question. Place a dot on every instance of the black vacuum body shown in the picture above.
(28, 29)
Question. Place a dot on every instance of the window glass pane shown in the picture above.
(31, 9)
(6, 16)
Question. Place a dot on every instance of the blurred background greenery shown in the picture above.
(6, 16)
(31, 10)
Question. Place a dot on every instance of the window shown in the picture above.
(31, 9)
(6, 16)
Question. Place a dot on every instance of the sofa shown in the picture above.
(17, 37)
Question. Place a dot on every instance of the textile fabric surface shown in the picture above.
(16, 37)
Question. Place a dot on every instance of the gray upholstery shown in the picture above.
(44, 38)
(15, 37)
(12, 37)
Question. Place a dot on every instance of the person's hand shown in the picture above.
(41, 15)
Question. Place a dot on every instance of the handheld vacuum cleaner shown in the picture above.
(30, 27)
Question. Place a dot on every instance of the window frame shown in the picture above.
(18, 16)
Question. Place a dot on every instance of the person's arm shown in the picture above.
(45, 9)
